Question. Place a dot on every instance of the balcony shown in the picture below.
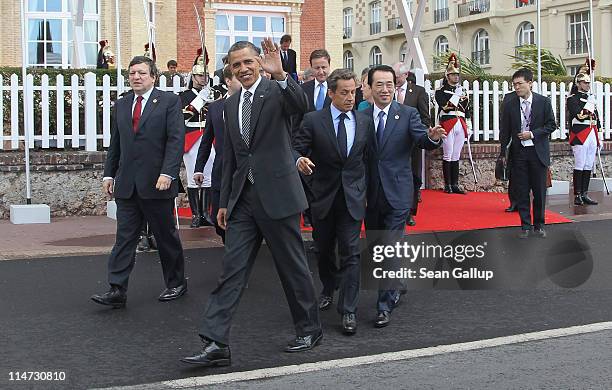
(521, 3)
(374, 28)
(394, 24)
(481, 57)
(578, 46)
(348, 33)
(440, 15)
(474, 8)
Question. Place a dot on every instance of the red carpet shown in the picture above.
(451, 212)
(477, 210)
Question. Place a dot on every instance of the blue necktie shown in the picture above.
(380, 129)
(320, 97)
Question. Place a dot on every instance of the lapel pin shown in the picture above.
(261, 96)
(410, 90)
(397, 117)
(154, 100)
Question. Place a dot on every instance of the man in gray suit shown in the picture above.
(390, 186)
(261, 197)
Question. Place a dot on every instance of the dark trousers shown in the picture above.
(417, 180)
(130, 216)
(215, 195)
(339, 227)
(383, 219)
(247, 226)
(512, 195)
(529, 176)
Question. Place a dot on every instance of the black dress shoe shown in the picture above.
(411, 221)
(382, 319)
(213, 354)
(457, 190)
(349, 323)
(540, 233)
(524, 234)
(143, 244)
(114, 297)
(587, 200)
(195, 222)
(325, 302)
(170, 294)
(152, 243)
(511, 209)
(304, 343)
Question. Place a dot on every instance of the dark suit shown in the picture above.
(309, 88)
(529, 164)
(290, 65)
(416, 96)
(213, 133)
(269, 208)
(339, 199)
(136, 160)
(390, 184)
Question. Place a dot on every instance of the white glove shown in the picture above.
(590, 104)
(198, 102)
(206, 94)
(459, 91)
(455, 100)
(469, 127)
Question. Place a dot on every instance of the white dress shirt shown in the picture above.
(528, 142)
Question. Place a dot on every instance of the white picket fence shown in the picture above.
(85, 124)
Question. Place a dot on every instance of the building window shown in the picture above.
(50, 32)
(235, 26)
(526, 34)
(403, 51)
(375, 56)
(524, 3)
(480, 47)
(374, 17)
(441, 11)
(348, 23)
(440, 48)
(573, 69)
(348, 60)
(577, 43)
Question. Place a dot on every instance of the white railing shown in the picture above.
(486, 99)
(58, 123)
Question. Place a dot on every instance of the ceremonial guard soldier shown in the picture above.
(583, 132)
(454, 116)
(195, 100)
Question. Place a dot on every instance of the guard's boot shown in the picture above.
(194, 205)
(577, 179)
(447, 176)
(454, 170)
(586, 179)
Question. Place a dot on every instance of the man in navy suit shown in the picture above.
(142, 165)
(288, 56)
(331, 148)
(390, 187)
(316, 90)
(526, 124)
(213, 133)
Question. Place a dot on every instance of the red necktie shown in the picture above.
(136, 114)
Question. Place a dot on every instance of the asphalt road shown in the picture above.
(48, 323)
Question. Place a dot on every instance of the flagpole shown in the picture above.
(591, 37)
(118, 61)
(26, 125)
(539, 48)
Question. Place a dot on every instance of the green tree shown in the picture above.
(468, 67)
(527, 57)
